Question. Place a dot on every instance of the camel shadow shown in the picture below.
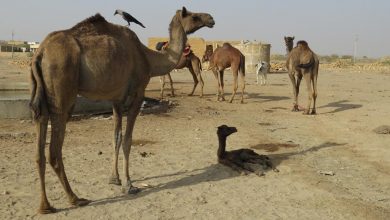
(213, 172)
(340, 106)
(278, 158)
(267, 98)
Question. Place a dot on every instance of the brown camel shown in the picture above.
(241, 160)
(192, 62)
(303, 62)
(68, 63)
(222, 58)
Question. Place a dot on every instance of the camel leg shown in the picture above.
(117, 113)
(171, 83)
(58, 124)
(162, 85)
(41, 125)
(265, 78)
(257, 78)
(309, 92)
(134, 108)
(294, 86)
(235, 84)
(314, 83)
(195, 80)
(199, 74)
(221, 85)
(242, 76)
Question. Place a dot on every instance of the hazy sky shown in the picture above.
(329, 26)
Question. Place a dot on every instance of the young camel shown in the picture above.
(222, 58)
(69, 63)
(303, 62)
(241, 160)
(192, 62)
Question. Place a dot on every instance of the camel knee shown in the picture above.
(54, 163)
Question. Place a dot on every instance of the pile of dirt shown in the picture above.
(278, 67)
(21, 63)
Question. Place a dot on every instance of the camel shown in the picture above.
(69, 62)
(303, 62)
(242, 160)
(289, 41)
(192, 62)
(222, 58)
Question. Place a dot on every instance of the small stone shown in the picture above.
(100, 153)
(5, 192)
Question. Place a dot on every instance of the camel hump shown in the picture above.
(226, 45)
(303, 44)
(97, 18)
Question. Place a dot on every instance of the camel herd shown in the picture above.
(68, 64)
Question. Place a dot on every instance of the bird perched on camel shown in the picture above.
(242, 160)
(128, 17)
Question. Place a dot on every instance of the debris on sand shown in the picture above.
(383, 129)
(326, 172)
(154, 106)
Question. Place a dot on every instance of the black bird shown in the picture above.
(128, 17)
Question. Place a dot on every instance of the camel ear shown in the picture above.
(184, 12)
(293, 37)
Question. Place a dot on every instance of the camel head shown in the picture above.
(224, 131)
(192, 21)
(289, 40)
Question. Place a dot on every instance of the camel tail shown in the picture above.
(242, 65)
(37, 101)
(307, 65)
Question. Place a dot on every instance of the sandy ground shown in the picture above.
(180, 166)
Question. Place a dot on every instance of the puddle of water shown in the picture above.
(272, 147)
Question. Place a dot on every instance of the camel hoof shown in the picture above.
(80, 202)
(115, 181)
(313, 112)
(133, 190)
(47, 210)
(191, 94)
(295, 109)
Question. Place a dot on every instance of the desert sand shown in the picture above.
(174, 160)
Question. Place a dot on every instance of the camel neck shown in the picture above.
(289, 48)
(222, 146)
(165, 61)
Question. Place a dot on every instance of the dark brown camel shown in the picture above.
(222, 58)
(303, 62)
(289, 41)
(69, 63)
(241, 160)
(188, 60)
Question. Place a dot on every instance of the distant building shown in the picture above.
(18, 46)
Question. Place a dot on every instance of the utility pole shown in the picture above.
(355, 45)
(12, 44)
